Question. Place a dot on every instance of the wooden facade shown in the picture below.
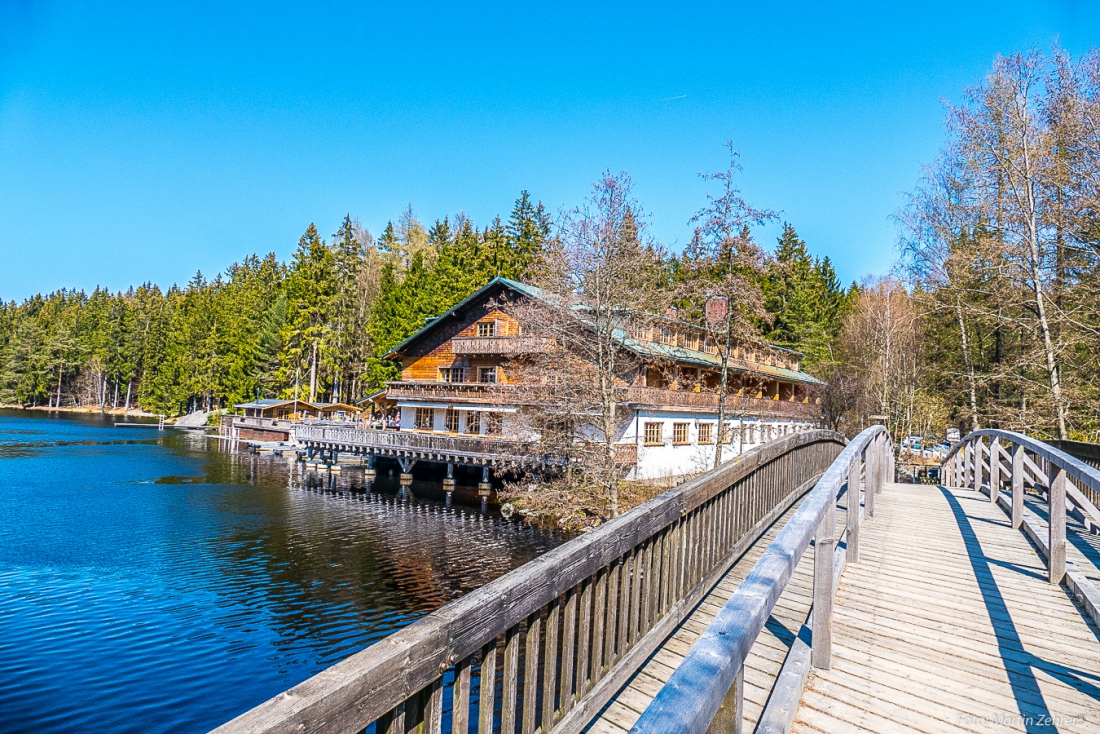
(463, 363)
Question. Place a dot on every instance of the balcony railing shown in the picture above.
(472, 392)
(709, 401)
(497, 394)
(504, 345)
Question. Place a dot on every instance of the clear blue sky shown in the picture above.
(147, 142)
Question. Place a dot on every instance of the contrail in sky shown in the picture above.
(669, 99)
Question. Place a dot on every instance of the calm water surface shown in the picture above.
(152, 582)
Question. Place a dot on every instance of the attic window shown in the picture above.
(487, 328)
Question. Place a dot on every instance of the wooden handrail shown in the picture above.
(582, 617)
(1070, 482)
(711, 674)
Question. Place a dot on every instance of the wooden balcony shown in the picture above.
(488, 393)
(512, 395)
(735, 404)
(498, 345)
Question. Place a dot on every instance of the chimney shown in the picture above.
(670, 313)
(716, 310)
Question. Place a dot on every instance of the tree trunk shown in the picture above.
(60, 365)
(968, 364)
(313, 374)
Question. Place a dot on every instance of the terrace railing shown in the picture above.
(503, 345)
(544, 647)
(366, 440)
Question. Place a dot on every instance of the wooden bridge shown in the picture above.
(794, 590)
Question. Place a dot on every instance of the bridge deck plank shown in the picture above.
(763, 663)
(951, 626)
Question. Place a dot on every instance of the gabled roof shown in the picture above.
(642, 348)
(492, 285)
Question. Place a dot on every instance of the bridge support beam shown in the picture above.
(821, 655)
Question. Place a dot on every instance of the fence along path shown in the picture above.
(546, 646)
(764, 661)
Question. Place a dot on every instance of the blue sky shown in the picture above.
(148, 141)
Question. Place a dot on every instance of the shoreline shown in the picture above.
(132, 412)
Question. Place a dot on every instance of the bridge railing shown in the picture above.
(1012, 461)
(710, 680)
(543, 648)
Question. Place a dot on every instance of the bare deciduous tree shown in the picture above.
(600, 276)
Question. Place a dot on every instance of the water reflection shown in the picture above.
(152, 581)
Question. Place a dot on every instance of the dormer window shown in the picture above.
(487, 328)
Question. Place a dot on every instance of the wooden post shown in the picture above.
(994, 469)
(730, 717)
(1017, 486)
(887, 456)
(821, 655)
(976, 457)
(968, 466)
(852, 551)
(870, 475)
(1056, 479)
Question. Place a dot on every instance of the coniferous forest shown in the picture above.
(318, 325)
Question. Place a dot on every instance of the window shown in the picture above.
(487, 328)
(473, 422)
(424, 417)
(487, 374)
(494, 424)
(706, 433)
(450, 420)
(654, 434)
(680, 434)
(452, 374)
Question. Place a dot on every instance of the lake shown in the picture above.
(151, 581)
